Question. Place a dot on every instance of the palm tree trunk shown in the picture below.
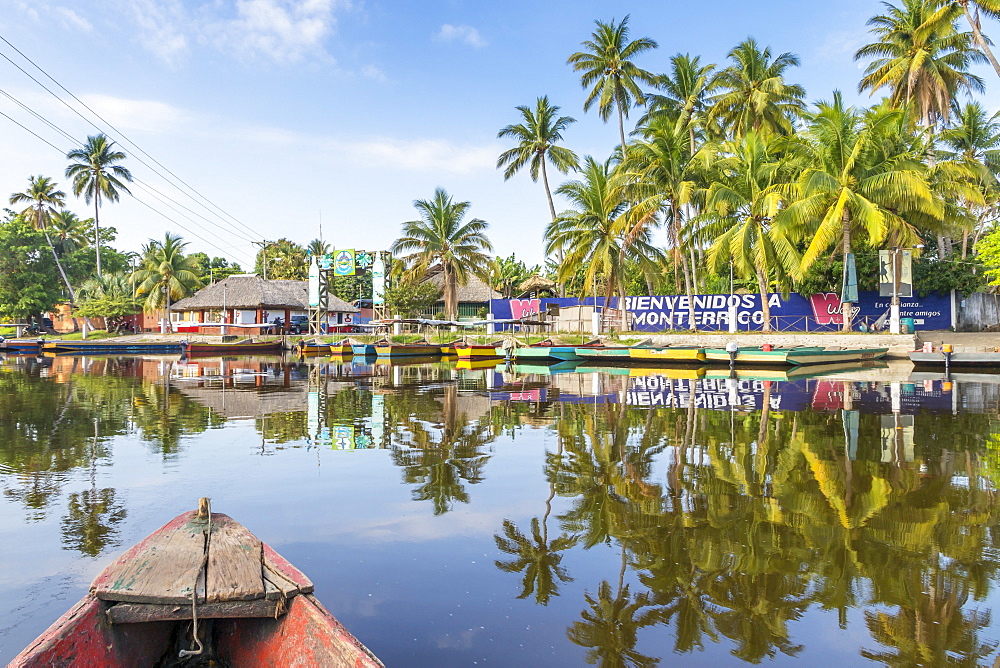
(846, 307)
(689, 288)
(621, 127)
(552, 210)
(764, 306)
(97, 231)
(69, 288)
(980, 40)
(450, 294)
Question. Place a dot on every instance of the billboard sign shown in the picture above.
(343, 262)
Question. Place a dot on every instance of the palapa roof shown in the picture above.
(536, 282)
(250, 291)
(475, 290)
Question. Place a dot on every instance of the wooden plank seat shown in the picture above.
(239, 576)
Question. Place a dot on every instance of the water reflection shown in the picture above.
(734, 507)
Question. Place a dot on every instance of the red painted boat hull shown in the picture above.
(306, 635)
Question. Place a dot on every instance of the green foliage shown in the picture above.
(285, 260)
(213, 270)
(29, 283)
(351, 288)
(409, 298)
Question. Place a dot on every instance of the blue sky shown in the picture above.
(289, 113)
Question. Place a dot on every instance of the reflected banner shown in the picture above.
(820, 312)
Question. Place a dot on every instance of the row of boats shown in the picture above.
(115, 346)
(552, 353)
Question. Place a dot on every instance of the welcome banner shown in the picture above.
(796, 312)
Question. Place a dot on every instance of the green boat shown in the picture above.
(796, 355)
(619, 353)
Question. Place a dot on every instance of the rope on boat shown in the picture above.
(204, 510)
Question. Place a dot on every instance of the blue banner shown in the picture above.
(817, 313)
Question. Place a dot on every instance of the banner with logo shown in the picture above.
(343, 262)
(712, 312)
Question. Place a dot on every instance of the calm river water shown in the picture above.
(528, 517)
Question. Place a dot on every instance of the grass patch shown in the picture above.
(92, 336)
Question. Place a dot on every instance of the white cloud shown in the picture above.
(145, 115)
(464, 34)
(162, 25)
(373, 72)
(423, 155)
(282, 30)
(72, 20)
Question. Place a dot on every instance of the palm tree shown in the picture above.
(42, 199)
(856, 184)
(659, 173)
(68, 231)
(974, 141)
(593, 233)
(740, 207)
(441, 237)
(536, 144)
(992, 9)
(95, 175)
(753, 94)
(685, 98)
(921, 58)
(166, 274)
(608, 68)
(318, 248)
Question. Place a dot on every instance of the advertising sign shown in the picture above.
(313, 283)
(887, 273)
(343, 262)
(712, 312)
(378, 281)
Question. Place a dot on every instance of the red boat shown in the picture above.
(246, 347)
(202, 586)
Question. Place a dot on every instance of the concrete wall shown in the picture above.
(977, 312)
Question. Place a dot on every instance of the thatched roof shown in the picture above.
(473, 291)
(536, 282)
(250, 291)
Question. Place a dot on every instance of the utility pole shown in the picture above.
(894, 308)
(263, 250)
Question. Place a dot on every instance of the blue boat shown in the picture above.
(364, 349)
(111, 347)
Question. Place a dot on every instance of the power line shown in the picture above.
(141, 182)
(140, 201)
(119, 132)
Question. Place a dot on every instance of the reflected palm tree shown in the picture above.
(537, 557)
(91, 521)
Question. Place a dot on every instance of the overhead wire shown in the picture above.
(244, 255)
(255, 234)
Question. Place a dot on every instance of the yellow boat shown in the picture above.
(667, 354)
(342, 348)
(679, 373)
(479, 363)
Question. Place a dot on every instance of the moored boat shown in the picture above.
(244, 604)
(344, 348)
(246, 347)
(795, 372)
(466, 351)
(363, 349)
(21, 345)
(388, 349)
(312, 347)
(110, 347)
(610, 353)
(546, 350)
(479, 363)
(668, 354)
(795, 355)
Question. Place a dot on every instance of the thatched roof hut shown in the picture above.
(536, 283)
(250, 291)
(474, 291)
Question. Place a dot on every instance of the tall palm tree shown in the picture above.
(608, 69)
(536, 144)
(318, 248)
(166, 274)
(752, 93)
(685, 95)
(42, 199)
(855, 185)
(660, 182)
(921, 58)
(593, 233)
(740, 207)
(992, 9)
(974, 141)
(441, 237)
(95, 175)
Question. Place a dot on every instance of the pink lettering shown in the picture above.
(520, 308)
